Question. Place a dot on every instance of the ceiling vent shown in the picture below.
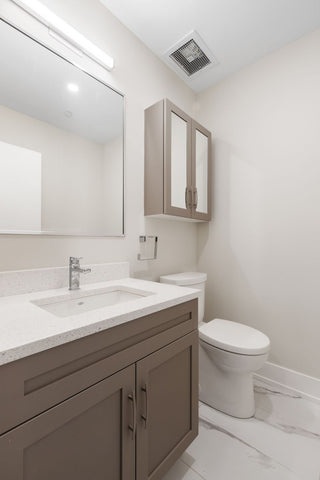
(190, 54)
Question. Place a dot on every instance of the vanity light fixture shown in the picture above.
(68, 33)
(73, 87)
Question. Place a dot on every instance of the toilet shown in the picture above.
(229, 353)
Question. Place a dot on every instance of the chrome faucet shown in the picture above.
(74, 272)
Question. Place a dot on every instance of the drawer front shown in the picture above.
(36, 383)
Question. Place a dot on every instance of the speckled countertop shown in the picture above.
(25, 328)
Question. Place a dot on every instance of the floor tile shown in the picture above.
(282, 441)
(180, 471)
(218, 453)
(278, 405)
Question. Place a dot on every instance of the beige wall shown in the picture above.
(144, 80)
(262, 250)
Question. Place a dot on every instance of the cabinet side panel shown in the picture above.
(153, 170)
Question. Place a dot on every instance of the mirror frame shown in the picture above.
(85, 71)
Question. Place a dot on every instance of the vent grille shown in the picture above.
(190, 57)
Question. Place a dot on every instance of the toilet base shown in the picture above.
(244, 407)
(225, 389)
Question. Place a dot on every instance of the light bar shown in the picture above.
(55, 23)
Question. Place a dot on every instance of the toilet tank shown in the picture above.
(193, 280)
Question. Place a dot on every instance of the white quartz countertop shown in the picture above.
(25, 328)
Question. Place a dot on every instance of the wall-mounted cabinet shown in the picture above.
(177, 164)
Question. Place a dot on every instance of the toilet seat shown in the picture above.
(234, 337)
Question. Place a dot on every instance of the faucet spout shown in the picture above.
(81, 270)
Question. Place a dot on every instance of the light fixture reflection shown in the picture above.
(66, 31)
(72, 87)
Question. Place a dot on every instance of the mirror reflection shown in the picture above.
(61, 144)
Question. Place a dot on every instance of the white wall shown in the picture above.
(111, 180)
(262, 249)
(70, 191)
(144, 80)
(20, 188)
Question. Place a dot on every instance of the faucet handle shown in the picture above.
(73, 260)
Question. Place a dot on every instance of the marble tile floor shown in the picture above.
(281, 442)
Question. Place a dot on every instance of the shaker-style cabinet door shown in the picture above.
(201, 172)
(88, 437)
(167, 404)
(177, 165)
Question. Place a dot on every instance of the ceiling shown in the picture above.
(238, 32)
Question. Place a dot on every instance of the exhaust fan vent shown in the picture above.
(190, 57)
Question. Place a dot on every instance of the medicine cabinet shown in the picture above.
(177, 164)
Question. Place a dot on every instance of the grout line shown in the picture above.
(193, 470)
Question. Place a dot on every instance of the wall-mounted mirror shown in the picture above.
(61, 144)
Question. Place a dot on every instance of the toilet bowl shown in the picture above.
(228, 355)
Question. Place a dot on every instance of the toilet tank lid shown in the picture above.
(234, 337)
(185, 278)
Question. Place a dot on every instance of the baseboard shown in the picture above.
(304, 385)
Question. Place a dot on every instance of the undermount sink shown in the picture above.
(84, 301)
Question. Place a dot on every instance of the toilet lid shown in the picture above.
(185, 278)
(234, 337)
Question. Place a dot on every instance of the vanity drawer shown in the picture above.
(36, 383)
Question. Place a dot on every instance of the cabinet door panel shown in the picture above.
(201, 172)
(167, 397)
(86, 437)
(177, 176)
(179, 131)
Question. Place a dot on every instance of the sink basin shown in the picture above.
(78, 302)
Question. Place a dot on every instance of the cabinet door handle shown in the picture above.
(145, 416)
(195, 198)
(133, 427)
(187, 199)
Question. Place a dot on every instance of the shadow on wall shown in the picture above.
(229, 246)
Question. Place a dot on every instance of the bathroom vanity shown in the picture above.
(110, 393)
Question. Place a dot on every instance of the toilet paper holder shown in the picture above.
(143, 239)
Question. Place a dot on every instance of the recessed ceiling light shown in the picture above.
(72, 87)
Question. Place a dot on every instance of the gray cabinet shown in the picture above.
(119, 405)
(177, 164)
(85, 437)
(167, 406)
